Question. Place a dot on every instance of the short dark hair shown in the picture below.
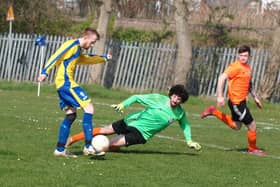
(89, 30)
(179, 90)
(244, 48)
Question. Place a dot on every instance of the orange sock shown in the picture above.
(96, 131)
(81, 136)
(77, 137)
(223, 117)
(252, 139)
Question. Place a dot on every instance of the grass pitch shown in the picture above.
(29, 128)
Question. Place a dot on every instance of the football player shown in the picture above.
(71, 95)
(138, 127)
(238, 75)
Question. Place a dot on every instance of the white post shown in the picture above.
(9, 53)
(40, 68)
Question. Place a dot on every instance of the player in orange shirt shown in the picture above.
(238, 74)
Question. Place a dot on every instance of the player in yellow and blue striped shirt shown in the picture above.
(71, 95)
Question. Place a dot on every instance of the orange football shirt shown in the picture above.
(239, 76)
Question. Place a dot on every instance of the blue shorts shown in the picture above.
(74, 97)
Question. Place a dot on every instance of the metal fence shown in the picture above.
(140, 66)
(209, 63)
(20, 59)
(135, 66)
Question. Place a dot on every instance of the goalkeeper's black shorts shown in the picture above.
(131, 134)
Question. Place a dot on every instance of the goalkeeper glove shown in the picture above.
(118, 108)
(194, 145)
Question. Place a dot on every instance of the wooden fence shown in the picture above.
(135, 66)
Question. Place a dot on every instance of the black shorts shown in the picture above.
(240, 112)
(131, 134)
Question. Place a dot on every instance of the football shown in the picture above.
(100, 143)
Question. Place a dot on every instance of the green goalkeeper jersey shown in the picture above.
(157, 115)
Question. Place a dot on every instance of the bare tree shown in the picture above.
(105, 11)
(34, 17)
(269, 82)
(184, 52)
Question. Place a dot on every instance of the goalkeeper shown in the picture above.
(136, 128)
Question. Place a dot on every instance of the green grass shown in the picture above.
(29, 127)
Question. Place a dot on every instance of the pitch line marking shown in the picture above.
(211, 146)
(197, 115)
(204, 144)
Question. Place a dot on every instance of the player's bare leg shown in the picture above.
(117, 142)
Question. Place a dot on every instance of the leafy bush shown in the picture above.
(131, 34)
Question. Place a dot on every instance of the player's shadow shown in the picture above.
(241, 150)
(92, 157)
(127, 151)
(97, 157)
(154, 152)
(8, 153)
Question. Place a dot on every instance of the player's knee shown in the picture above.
(89, 108)
(71, 117)
(107, 130)
(252, 126)
(236, 127)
